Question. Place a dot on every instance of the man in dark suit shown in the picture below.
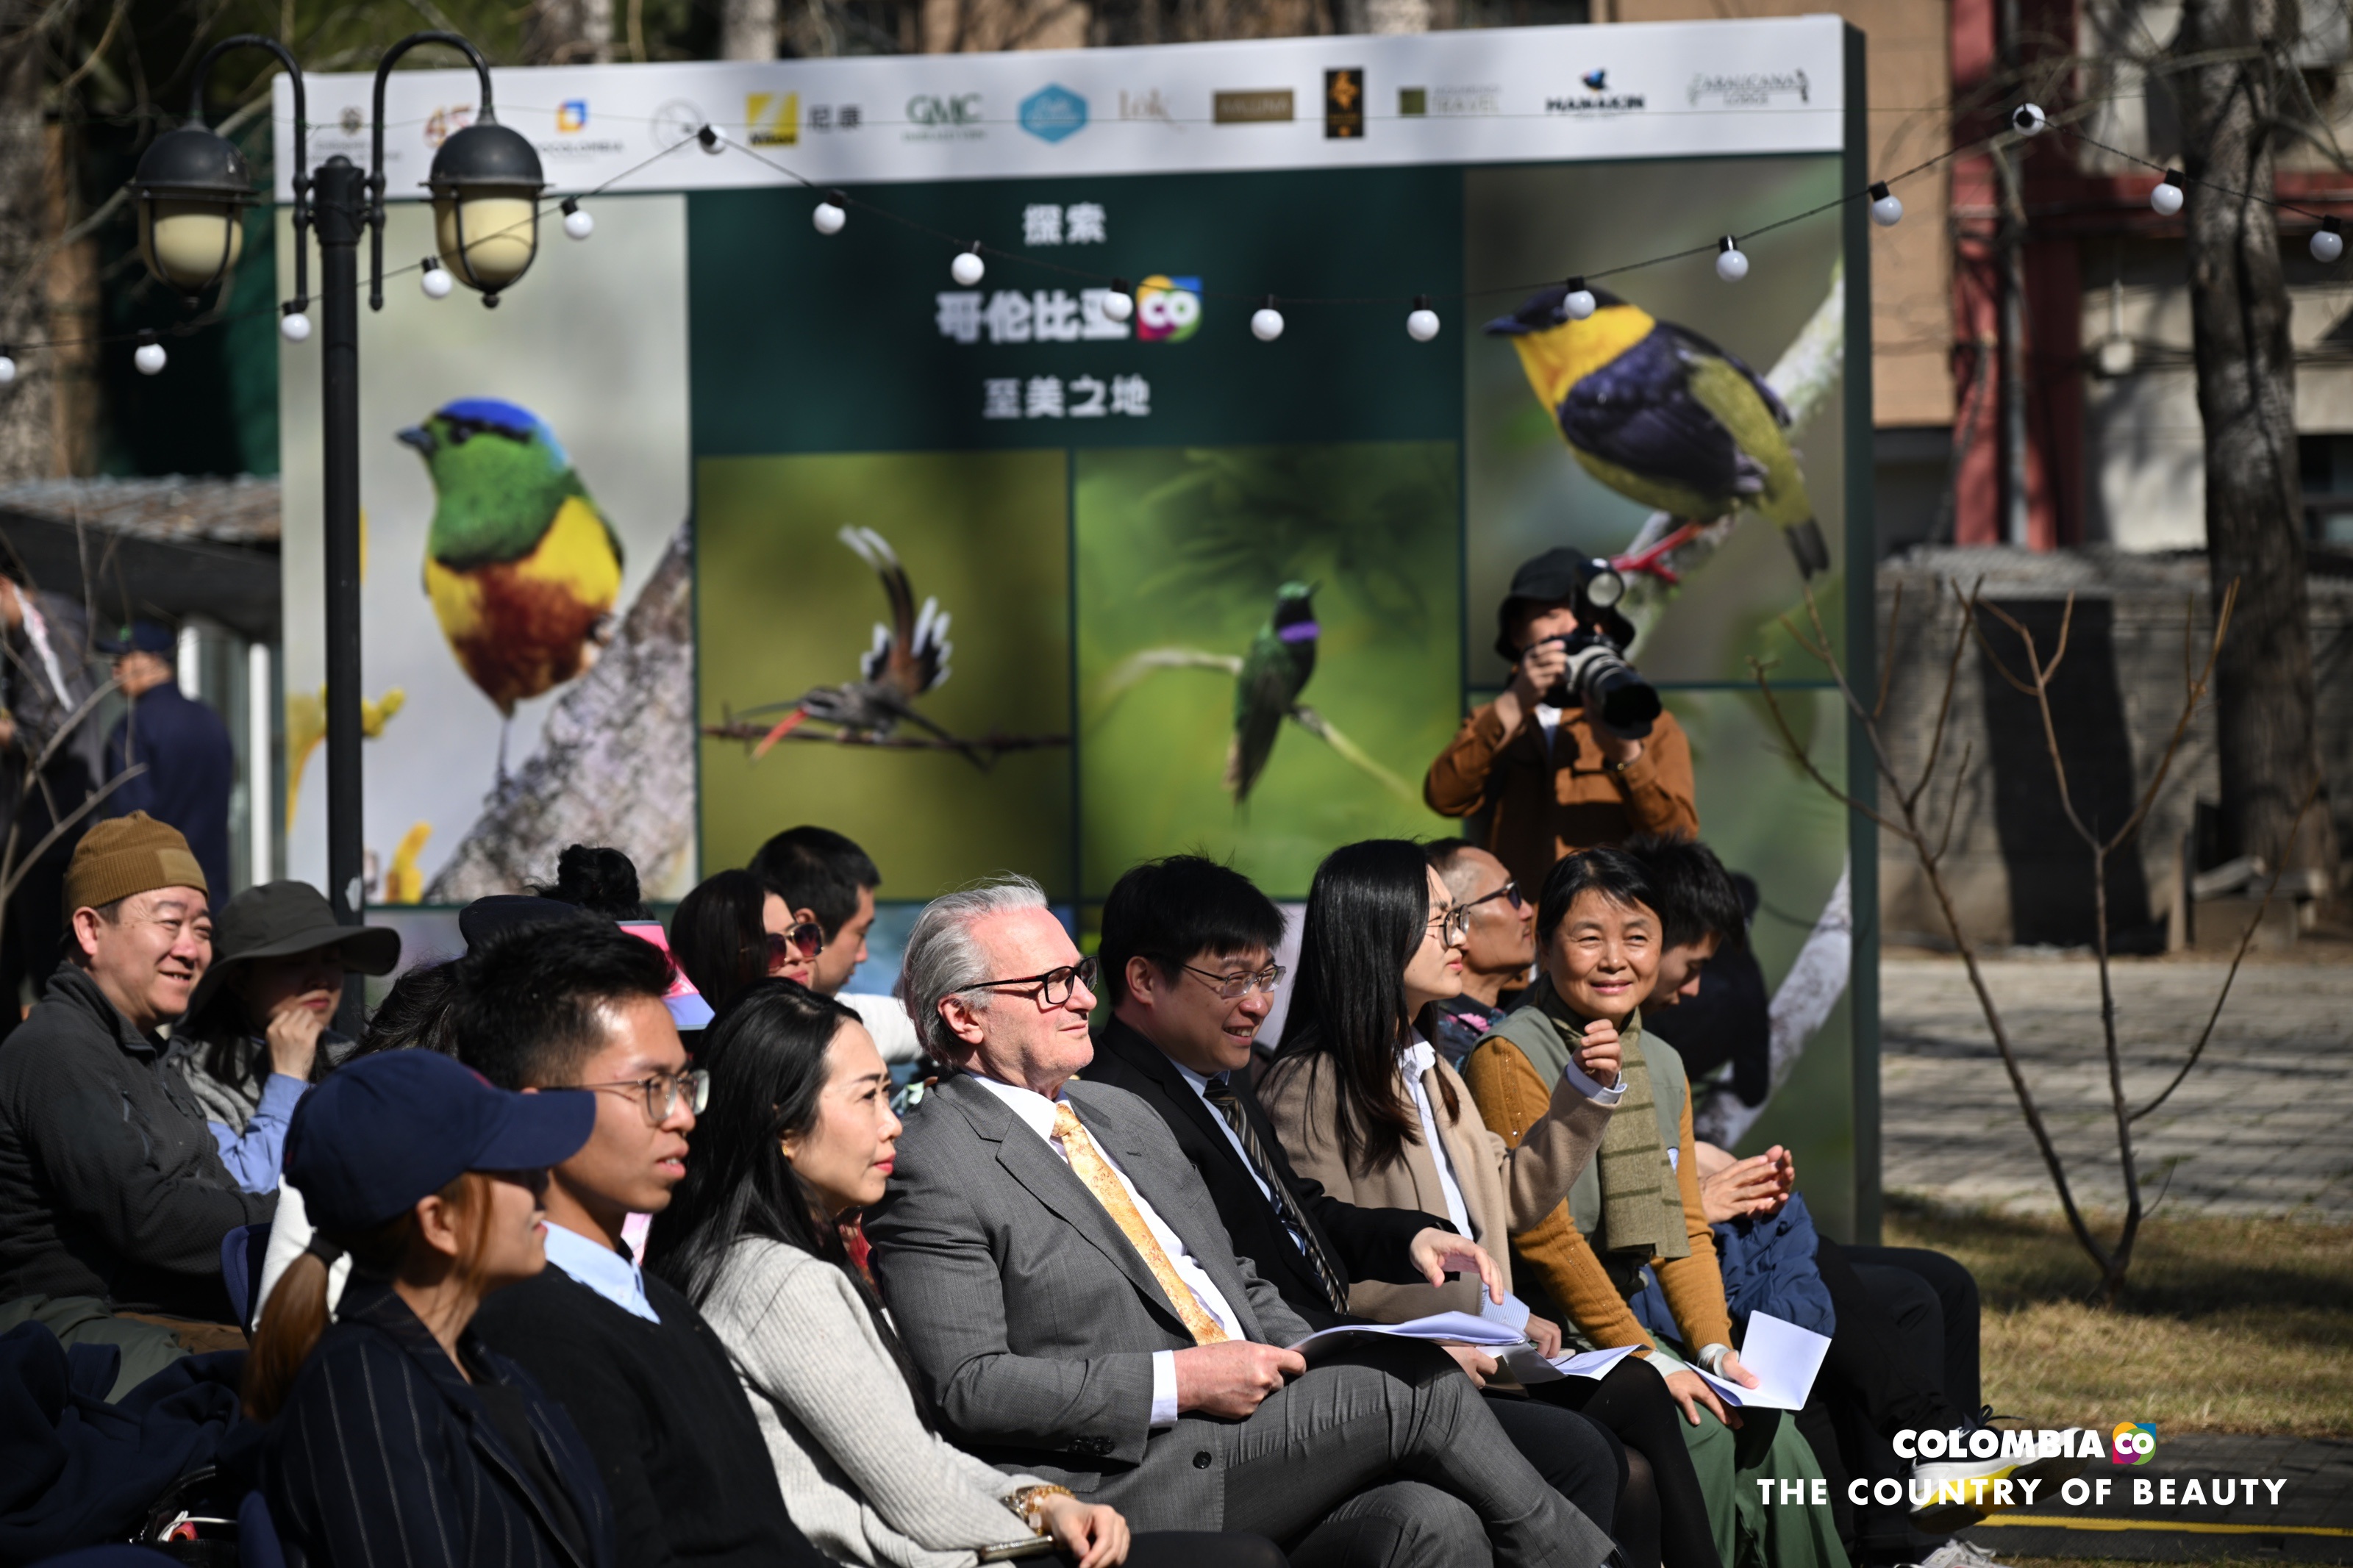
(191, 764)
(1187, 962)
(1077, 1312)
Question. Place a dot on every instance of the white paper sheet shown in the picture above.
(1458, 1327)
(1785, 1360)
(1523, 1363)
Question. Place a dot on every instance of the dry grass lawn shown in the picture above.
(2227, 1325)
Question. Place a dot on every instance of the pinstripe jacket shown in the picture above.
(385, 1456)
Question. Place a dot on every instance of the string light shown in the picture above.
(1731, 263)
(1579, 301)
(969, 269)
(435, 279)
(712, 139)
(577, 224)
(1887, 207)
(1266, 322)
(294, 326)
(2327, 240)
(2028, 120)
(827, 216)
(149, 355)
(1421, 321)
(7, 367)
(1120, 303)
(2167, 194)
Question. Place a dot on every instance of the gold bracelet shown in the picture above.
(1025, 1503)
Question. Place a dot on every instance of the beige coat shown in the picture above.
(1504, 1189)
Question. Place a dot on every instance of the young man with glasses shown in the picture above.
(578, 1004)
(1499, 928)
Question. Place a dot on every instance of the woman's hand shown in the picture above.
(1438, 1253)
(1476, 1364)
(293, 1039)
(1546, 1335)
(1690, 1391)
(1094, 1535)
(1598, 1054)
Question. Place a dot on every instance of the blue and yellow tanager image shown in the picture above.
(521, 566)
(1663, 416)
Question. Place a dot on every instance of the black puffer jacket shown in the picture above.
(111, 1184)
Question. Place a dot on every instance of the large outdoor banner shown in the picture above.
(720, 523)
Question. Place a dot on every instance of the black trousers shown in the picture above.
(1956, 1290)
(1632, 1403)
(1578, 1458)
(1191, 1548)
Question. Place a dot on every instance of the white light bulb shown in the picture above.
(1421, 321)
(294, 326)
(2165, 196)
(1118, 305)
(436, 282)
(149, 358)
(2327, 243)
(1266, 323)
(8, 370)
(2028, 120)
(1731, 265)
(578, 224)
(967, 268)
(714, 140)
(1579, 301)
(827, 218)
(1886, 208)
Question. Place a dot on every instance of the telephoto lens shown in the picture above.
(1613, 692)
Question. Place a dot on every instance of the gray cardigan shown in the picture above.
(861, 1478)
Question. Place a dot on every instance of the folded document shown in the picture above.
(1458, 1327)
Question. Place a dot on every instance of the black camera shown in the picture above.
(1612, 693)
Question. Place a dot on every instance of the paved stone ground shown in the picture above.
(2311, 1522)
(2259, 1127)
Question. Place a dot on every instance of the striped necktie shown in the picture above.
(1227, 1103)
(1095, 1172)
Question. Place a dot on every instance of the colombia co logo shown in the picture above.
(1053, 114)
(2132, 1442)
(1167, 309)
(1344, 104)
(773, 119)
(1596, 82)
(572, 115)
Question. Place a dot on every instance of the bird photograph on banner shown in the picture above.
(1663, 416)
(521, 568)
(1268, 682)
(908, 658)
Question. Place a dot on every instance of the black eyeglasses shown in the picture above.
(1054, 987)
(1451, 924)
(661, 1093)
(1234, 987)
(1508, 890)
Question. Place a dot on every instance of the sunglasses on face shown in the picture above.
(804, 940)
(1510, 891)
(1054, 987)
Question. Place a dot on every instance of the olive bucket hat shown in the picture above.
(280, 918)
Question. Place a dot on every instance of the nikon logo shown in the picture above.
(1259, 106)
(773, 119)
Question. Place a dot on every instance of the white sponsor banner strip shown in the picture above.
(1495, 95)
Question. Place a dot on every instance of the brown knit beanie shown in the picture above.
(127, 855)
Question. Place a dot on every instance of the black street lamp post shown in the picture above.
(191, 188)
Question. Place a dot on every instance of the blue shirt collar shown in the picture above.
(611, 1274)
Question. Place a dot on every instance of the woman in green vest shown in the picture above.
(1635, 1211)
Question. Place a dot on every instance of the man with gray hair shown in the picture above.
(1076, 1309)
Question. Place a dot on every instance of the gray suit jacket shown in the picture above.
(1031, 1318)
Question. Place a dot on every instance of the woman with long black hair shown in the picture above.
(800, 1134)
(1367, 1108)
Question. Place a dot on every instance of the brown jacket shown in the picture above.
(1510, 1097)
(1503, 1187)
(1544, 806)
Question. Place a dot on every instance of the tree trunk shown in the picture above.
(568, 33)
(2246, 397)
(747, 29)
(26, 406)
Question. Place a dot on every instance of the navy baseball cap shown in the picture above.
(389, 1130)
(141, 637)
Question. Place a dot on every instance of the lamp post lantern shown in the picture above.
(191, 188)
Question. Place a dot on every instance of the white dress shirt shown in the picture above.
(610, 1274)
(1200, 1085)
(1417, 1057)
(1036, 1112)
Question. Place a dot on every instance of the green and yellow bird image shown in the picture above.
(521, 566)
(1663, 416)
(1267, 687)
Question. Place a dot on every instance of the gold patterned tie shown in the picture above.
(1094, 1172)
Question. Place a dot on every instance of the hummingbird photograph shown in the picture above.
(521, 567)
(1267, 687)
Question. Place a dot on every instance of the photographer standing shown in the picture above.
(1551, 778)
